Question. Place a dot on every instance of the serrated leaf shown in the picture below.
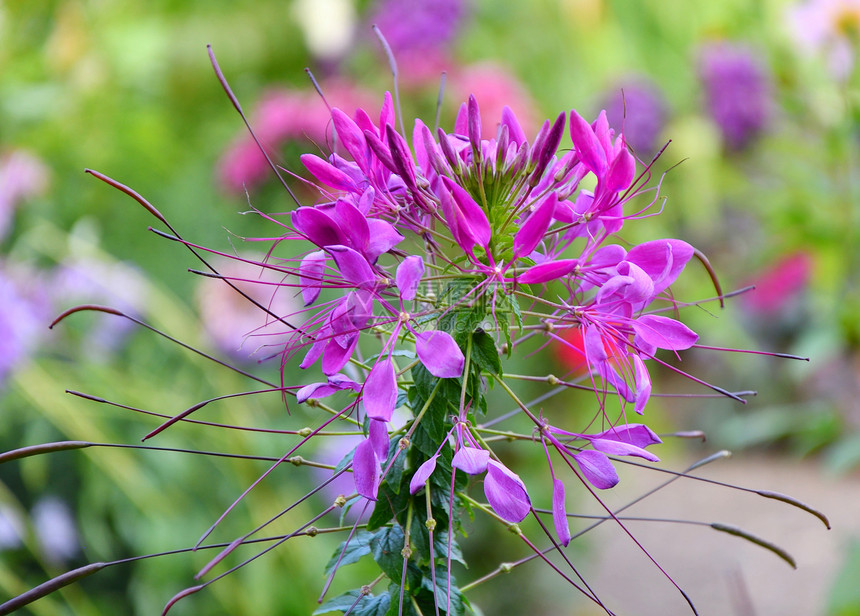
(357, 547)
(458, 607)
(484, 353)
(387, 549)
(394, 608)
(394, 478)
(389, 505)
(368, 605)
(440, 545)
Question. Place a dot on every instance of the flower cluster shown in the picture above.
(427, 259)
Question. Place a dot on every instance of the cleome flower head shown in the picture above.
(427, 258)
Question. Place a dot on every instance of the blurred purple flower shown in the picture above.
(420, 26)
(830, 28)
(24, 316)
(22, 175)
(638, 108)
(737, 91)
(92, 280)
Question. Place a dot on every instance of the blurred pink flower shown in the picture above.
(284, 116)
(230, 319)
(829, 28)
(495, 87)
(22, 175)
(778, 286)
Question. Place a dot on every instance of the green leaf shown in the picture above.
(387, 548)
(458, 607)
(484, 353)
(389, 505)
(394, 602)
(440, 545)
(394, 477)
(368, 605)
(353, 551)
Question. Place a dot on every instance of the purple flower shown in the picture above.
(639, 108)
(418, 26)
(737, 91)
(24, 317)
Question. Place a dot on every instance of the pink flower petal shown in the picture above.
(422, 474)
(532, 230)
(408, 276)
(506, 493)
(439, 353)
(310, 276)
(548, 270)
(559, 513)
(365, 470)
(380, 391)
(471, 460)
(378, 436)
(664, 333)
(597, 468)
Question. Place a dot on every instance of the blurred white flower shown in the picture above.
(328, 26)
(830, 28)
(55, 529)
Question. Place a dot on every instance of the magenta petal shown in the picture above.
(440, 354)
(664, 333)
(353, 224)
(383, 237)
(643, 384)
(548, 270)
(597, 468)
(587, 144)
(327, 173)
(352, 265)
(422, 474)
(595, 352)
(559, 513)
(318, 390)
(636, 434)
(506, 493)
(470, 217)
(351, 137)
(662, 260)
(532, 230)
(378, 436)
(335, 355)
(620, 448)
(313, 353)
(515, 131)
(365, 470)
(408, 276)
(317, 226)
(471, 460)
(621, 172)
(310, 276)
(380, 391)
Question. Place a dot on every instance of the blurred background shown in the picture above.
(760, 101)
